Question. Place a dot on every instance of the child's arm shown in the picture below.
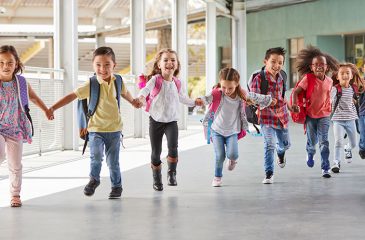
(134, 101)
(37, 101)
(294, 106)
(262, 100)
(63, 101)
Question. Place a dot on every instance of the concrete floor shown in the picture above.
(299, 205)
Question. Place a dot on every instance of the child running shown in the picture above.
(163, 108)
(229, 119)
(346, 82)
(105, 125)
(15, 125)
(313, 66)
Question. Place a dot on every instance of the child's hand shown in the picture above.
(137, 103)
(273, 102)
(49, 113)
(199, 102)
(294, 108)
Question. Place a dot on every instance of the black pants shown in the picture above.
(157, 130)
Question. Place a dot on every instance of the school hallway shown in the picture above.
(299, 205)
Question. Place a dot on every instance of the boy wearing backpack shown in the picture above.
(274, 119)
(105, 125)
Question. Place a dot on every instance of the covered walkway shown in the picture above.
(299, 205)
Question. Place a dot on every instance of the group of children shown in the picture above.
(163, 95)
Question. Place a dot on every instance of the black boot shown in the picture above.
(171, 173)
(157, 178)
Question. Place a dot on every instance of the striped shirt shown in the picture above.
(275, 116)
(345, 109)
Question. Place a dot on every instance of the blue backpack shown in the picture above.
(23, 97)
(85, 109)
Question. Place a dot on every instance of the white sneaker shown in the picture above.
(217, 182)
(231, 164)
(269, 179)
(348, 156)
(335, 168)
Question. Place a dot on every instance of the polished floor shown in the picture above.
(299, 205)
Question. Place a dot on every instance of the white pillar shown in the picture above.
(211, 46)
(138, 55)
(99, 22)
(239, 37)
(179, 44)
(66, 57)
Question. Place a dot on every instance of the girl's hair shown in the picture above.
(231, 74)
(10, 49)
(156, 69)
(104, 51)
(305, 57)
(356, 79)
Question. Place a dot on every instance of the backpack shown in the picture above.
(85, 108)
(303, 100)
(23, 97)
(252, 111)
(212, 109)
(142, 81)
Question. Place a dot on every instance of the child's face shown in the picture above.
(228, 87)
(274, 64)
(319, 66)
(344, 75)
(103, 66)
(8, 65)
(168, 64)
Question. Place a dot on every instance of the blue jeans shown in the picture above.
(339, 128)
(274, 138)
(362, 133)
(111, 141)
(224, 146)
(317, 132)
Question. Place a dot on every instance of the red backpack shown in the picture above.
(303, 100)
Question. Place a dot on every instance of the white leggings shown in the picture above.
(14, 150)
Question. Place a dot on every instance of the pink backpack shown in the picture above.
(156, 90)
(212, 109)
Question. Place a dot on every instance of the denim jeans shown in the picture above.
(362, 132)
(317, 132)
(111, 142)
(224, 146)
(339, 128)
(274, 138)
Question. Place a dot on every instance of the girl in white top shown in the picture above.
(344, 112)
(164, 113)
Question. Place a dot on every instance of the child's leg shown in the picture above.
(283, 143)
(156, 132)
(323, 128)
(112, 147)
(269, 147)
(172, 135)
(350, 128)
(338, 130)
(362, 133)
(96, 143)
(2, 149)
(220, 153)
(232, 151)
(312, 138)
(14, 150)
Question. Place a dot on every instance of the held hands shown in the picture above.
(49, 113)
(137, 103)
(294, 108)
(199, 102)
(273, 102)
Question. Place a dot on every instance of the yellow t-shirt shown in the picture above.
(106, 117)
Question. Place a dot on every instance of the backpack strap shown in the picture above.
(158, 84)
(23, 97)
(264, 85)
(94, 96)
(177, 83)
(338, 96)
(284, 77)
(118, 87)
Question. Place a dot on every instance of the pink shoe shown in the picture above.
(217, 182)
(231, 164)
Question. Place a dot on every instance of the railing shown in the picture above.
(49, 86)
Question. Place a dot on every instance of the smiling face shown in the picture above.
(8, 65)
(344, 76)
(168, 64)
(319, 66)
(228, 87)
(274, 64)
(103, 66)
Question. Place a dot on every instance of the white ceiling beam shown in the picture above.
(106, 7)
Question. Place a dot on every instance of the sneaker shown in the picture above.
(217, 182)
(89, 189)
(362, 154)
(116, 192)
(348, 156)
(326, 174)
(310, 161)
(231, 164)
(269, 179)
(281, 160)
(335, 168)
